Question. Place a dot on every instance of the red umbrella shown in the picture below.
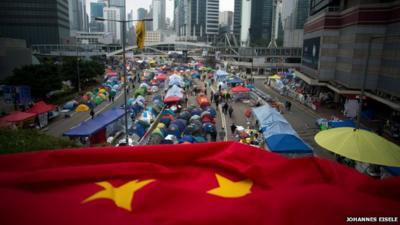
(161, 77)
(248, 113)
(172, 99)
(240, 89)
(112, 74)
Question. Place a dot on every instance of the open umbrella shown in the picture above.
(360, 145)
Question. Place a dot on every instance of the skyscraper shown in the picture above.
(96, 10)
(158, 14)
(141, 13)
(112, 13)
(226, 19)
(294, 21)
(237, 18)
(78, 19)
(212, 19)
(44, 22)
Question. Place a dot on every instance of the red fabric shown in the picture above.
(161, 77)
(98, 138)
(172, 99)
(17, 117)
(240, 89)
(49, 187)
(41, 107)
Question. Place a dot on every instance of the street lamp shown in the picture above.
(77, 69)
(124, 66)
(364, 81)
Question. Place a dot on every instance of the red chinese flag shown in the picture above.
(216, 183)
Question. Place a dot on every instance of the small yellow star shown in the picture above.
(231, 189)
(122, 195)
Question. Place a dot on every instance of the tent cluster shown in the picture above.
(191, 125)
(278, 133)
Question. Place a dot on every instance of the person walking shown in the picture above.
(230, 111)
(233, 129)
(225, 108)
(92, 113)
(211, 96)
(216, 102)
(213, 136)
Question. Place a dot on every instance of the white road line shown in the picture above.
(223, 120)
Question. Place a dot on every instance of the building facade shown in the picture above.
(226, 19)
(152, 37)
(237, 18)
(78, 18)
(294, 21)
(336, 40)
(141, 13)
(158, 15)
(93, 38)
(112, 13)
(212, 13)
(45, 22)
(96, 10)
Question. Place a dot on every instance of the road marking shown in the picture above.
(223, 120)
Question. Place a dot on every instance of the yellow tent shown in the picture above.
(275, 77)
(82, 108)
(360, 145)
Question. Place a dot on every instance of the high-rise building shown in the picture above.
(131, 34)
(44, 22)
(337, 37)
(78, 19)
(149, 24)
(112, 13)
(96, 10)
(237, 18)
(141, 13)
(158, 14)
(255, 21)
(120, 4)
(294, 21)
(196, 19)
(226, 20)
(212, 19)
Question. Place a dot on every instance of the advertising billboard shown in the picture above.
(311, 51)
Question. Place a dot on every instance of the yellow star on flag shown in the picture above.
(231, 189)
(122, 195)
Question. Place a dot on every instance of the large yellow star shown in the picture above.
(122, 195)
(231, 189)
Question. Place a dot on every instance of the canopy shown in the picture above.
(287, 143)
(360, 145)
(210, 183)
(17, 116)
(41, 107)
(240, 89)
(161, 77)
(92, 126)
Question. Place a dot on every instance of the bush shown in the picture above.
(13, 141)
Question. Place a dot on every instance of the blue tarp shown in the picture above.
(342, 123)
(287, 143)
(279, 135)
(174, 91)
(90, 127)
(394, 171)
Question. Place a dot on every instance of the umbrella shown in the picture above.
(205, 113)
(275, 77)
(98, 100)
(194, 117)
(240, 89)
(360, 145)
(172, 99)
(161, 77)
(82, 108)
(197, 111)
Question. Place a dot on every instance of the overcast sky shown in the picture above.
(224, 5)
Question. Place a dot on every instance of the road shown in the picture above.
(60, 125)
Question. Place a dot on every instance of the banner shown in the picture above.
(140, 34)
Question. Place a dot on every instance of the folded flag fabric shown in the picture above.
(212, 183)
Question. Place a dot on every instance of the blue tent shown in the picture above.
(174, 91)
(287, 143)
(221, 75)
(341, 123)
(277, 127)
(90, 127)
(234, 81)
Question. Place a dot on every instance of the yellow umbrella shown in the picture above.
(360, 145)
(275, 77)
(82, 108)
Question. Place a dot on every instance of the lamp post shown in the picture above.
(364, 81)
(124, 66)
(77, 69)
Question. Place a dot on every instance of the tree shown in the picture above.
(41, 78)
(88, 70)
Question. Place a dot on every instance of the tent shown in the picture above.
(99, 122)
(174, 91)
(240, 89)
(82, 108)
(221, 75)
(16, 117)
(41, 107)
(235, 81)
(172, 99)
(287, 143)
(341, 123)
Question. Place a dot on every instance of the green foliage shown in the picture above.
(13, 141)
(89, 70)
(42, 78)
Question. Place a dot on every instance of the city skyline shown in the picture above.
(226, 5)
